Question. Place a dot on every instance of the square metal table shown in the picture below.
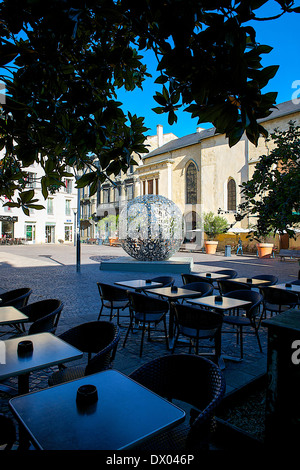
(173, 295)
(250, 281)
(211, 301)
(295, 288)
(125, 414)
(212, 275)
(48, 350)
(138, 284)
(12, 316)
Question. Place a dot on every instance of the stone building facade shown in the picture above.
(201, 173)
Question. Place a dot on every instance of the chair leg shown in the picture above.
(241, 342)
(100, 312)
(142, 340)
(166, 332)
(127, 332)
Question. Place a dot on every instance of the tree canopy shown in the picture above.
(63, 62)
(272, 195)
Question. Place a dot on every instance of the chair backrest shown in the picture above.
(204, 288)
(40, 309)
(278, 296)
(267, 277)
(46, 324)
(167, 281)
(230, 272)
(252, 296)
(8, 434)
(90, 337)
(111, 292)
(190, 378)
(110, 336)
(194, 318)
(188, 278)
(139, 302)
(226, 285)
(17, 298)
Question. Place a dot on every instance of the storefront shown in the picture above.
(7, 226)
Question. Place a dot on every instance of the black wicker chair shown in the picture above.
(113, 298)
(191, 379)
(188, 278)
(204, 288)
(43, 308)
(198, 324)
(8, 434)
(277, 300)
(167, 281)
(17, 298)
(249, 316)
(226, 286)
(146, 311)
(99, 340)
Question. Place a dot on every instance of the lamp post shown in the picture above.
(77, 226)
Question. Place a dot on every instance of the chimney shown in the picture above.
(160, 135)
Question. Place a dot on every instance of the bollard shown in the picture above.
(227, 250)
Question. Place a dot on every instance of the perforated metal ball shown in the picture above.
(151, 228)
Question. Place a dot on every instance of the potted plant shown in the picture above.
(262, 235)
(213, 225)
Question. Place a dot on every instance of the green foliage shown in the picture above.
(63, 62)
(214, 225)
(273, 193)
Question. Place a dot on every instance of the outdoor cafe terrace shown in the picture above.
(50, 272)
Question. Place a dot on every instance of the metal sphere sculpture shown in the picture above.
(151, 228)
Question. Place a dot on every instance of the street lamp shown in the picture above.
(76, 211)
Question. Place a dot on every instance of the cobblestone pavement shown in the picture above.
(50, 270)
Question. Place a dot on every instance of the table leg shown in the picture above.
(23, 384)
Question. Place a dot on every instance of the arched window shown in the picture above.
(231, 195)
(191, 184)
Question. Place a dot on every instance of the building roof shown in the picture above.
(283, 109)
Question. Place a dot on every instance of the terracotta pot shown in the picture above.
(211, 247)
(264, 250)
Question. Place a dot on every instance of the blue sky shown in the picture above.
(282, 34)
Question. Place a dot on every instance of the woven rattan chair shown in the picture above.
(249, 316)
(146, 311)
(42, 308)
(17, 298)
(167, 281)
(204, 288)
(277, 300)
(46, 324)
(193, 380)
(188, 278)
(7, 432)
(198, 324)
(99, 339)
(113, 298)
(226, 286)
